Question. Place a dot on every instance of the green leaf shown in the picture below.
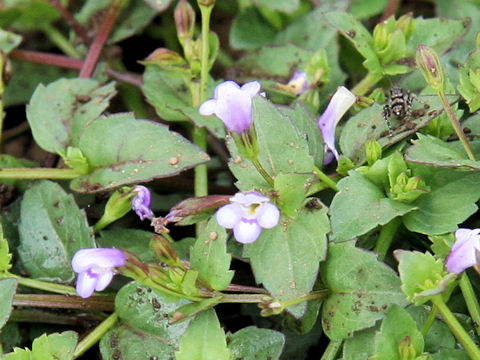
(437, 33)
(282, 148)
(359, 346)
(285, 259)
(366, 9)
(9, 41)
(135, 16)
(291, 189)
(31, 14)
(449, 189)
(308, 127)
(451, 354)
(210, 258)
(123, 150)
(252, 343)
(53, 346)
(361, 206)
(5, 256)
(429, 150)
(134, 240)
(25, 78)
(358, 35)
(397, 327)
(250, 31)
(147, 312)
(204, 339)
(58, 112)
(8, 287)
(52, 228)
(167, 91)
(362, 295)
(422, 275)
(287, 6)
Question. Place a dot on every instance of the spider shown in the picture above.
(399, 104)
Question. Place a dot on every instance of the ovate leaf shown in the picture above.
(52, 228)
(285, 259)
(252, 343)
(122, 150)
(58, 112)
(204, 339)
(363, 293)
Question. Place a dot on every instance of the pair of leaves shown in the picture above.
(118, 149)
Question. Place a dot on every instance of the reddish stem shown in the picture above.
(104, 303)
(391, 9)
(100, 40)
(79, 29)
(49, 59)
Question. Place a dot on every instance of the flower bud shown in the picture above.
(164, 58)
(406, 24)
(406, 349)
(184, 21)
(164, 250)
(76, 160)
(429, 63)
(118, 205)
(373, 151)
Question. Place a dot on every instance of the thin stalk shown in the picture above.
(60, 41)
(38, 173)
(457, 329)
(456, 125)
(102, 303)
(262, 171)
(100, 39)
(79, 29)
(95, 336)
(314, 295)
(366, 84)
(332, 350)
(386, 236)
(471, 301)
(243, 298)
(430, 319)
(200, 134)
(325, 179)
(41, 285)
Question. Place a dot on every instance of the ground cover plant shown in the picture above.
(250, 179)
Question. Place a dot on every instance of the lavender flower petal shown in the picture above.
(142, 202)
(463, 252)
(85, 284)
(341, 101)
(228, 215)
(246, 231)
(268, 216)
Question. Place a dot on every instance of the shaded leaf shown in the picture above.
(250, 31)
(134, 240)
(9, 41)
(8, 287)
(52, 228)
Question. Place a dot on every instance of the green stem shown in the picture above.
(60, 41)
(243, 298)
(386, 236)
(457, 329)
(314, 295)
(2, 90)
(102, 223)
(38, 173)
(95, 336)
(332, 350)
(205, 11)
(456, 125)
(41, 285)
(365, 85)
(471, 301)
(325, 179)
(262, 171)
(430, 319)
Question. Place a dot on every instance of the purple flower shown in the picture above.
(141, 203)
(299, 82)
(95, 268)
(247, 215)
(232, 104)
(341, 101)
(464, 252)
